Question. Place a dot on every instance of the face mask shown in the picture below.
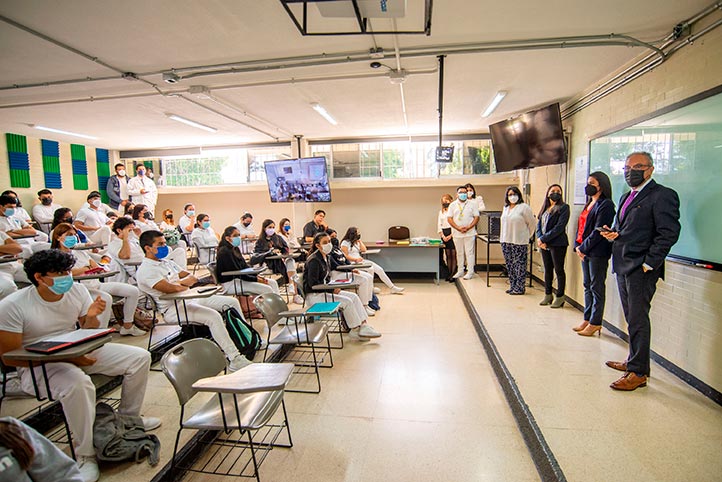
(445, 205)
(287, 227)
(462, 196)
(9, 212)
(326, 248)
(246, 224)
(18, 203)
(470, 194)
(68, 220)
(96, 203)
(150, 175)
(46, 201)
(61, 284)
(555, 196)
(141, 173)
(236, 241)
(70, 241)
(169, 217)
(590, 190)
(270, 231)
(334, 242)
(190, 213)
(162, 252)
(121, 173)
(206, 224)
(147, 216)
(634, 177)
(513, 199)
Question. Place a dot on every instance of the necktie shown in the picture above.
(627, 202)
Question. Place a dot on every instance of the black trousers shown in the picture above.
(595, 278)
(636, 291)
(553, 258)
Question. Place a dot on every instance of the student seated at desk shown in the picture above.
(158, 276)
(187, 222)
(94, 222)
(10, 272)
(365, 279)
(43, 213)
(204, 237)
(65, 215)
(270, 244)
(65, 238)
(126, 248)
(315, 226)
(248, 233)
(53, 306)
(318, 272)
(230, 258)
(144, 218)
(352, 247)
(22, 215)
(15, 228)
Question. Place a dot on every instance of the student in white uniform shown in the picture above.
(248, 233)
(475, 197)
(353, 247)
(17, 229)
(43, 212)
(64, 239)
(462, 216)
(143, 218)
(51, 307)
(93, 222)
(204, 237)
(158, 276)
(22, 215)
(142, 189)
(125, 247)
(9, 272)
(187, 222)
(336, 258)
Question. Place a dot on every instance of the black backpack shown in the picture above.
(244, 336)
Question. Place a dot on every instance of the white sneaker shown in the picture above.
(369, 311)
(132, 331)
(367, 331)
(353, 334)
(469, 275)
(298, 299)
(237, 363)
(88, 467)
(151, 423)
(397, 290)
(458, 274)
(377, 290)
(14, 388)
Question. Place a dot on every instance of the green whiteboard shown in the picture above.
(686, 144)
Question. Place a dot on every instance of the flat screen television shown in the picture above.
(302, 180)
(533, 139)
(444, 153)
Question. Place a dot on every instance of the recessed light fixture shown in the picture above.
(323, 112)
(59, 131)
(191, 123)
(494, 103)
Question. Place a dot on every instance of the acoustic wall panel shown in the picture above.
(51, 164)
(102, 163)
(18, 159)
(80, 167)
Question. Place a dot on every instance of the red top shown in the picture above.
(582, 223)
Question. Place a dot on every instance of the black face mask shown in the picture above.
(170, 217)
(334, 242)
(590, 190)
(46, 201)
(445, 205)
(246, 224)
(148, 216)
(634, 177)
(18, 203)
(68, 220)
(555, 196)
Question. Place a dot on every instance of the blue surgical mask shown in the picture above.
(190, 213)
(462, 196)
(236, 241)
(141, 172)
(9, 212)
(70, 241)
(206, 224)
(287, 227)
(161, 252)
(61, 284)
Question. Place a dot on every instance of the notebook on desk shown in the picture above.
(56, 343)
(340, 281)
(323, 308)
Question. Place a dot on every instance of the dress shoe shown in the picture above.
(582, 326)
(591, 330)
(558, 302)
(629, 381)
(617, 365)
(547, 300)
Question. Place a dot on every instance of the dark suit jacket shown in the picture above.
(648, 230)
(113, 190)
(593, 244)
(556, 233)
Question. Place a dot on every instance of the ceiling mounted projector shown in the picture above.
(171, 77)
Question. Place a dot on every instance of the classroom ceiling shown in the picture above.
(148, 38)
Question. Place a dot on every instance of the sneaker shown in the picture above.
(367, 331)
(14, 388)
(237, 363)
(88, 467)
(397, 290)
(132, 331)
(298, 299)
(369, 311)
(353, 334)
(150, 423)
(377, 290)
(458, 275)
(469, 275)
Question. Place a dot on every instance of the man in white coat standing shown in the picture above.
(142, 189)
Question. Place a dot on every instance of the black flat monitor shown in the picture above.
(533, 139)
(298, 180)
(444, 153)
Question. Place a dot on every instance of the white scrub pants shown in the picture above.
(365, 281)
(178, 256)
(465, 249)
(379, 271)
(129, 293)
(72, 386)
(353, 310)
(252, 287)
(100, 236)
(207, 311)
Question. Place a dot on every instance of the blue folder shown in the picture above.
(323, 308)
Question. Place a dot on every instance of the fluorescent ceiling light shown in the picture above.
(191, 123)
(59, 131)
(494, 103)
(324, 113)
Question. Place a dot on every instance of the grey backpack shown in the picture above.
(119, 438)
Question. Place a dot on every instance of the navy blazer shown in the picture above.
(593, 244)
(556, 233)
(648, 230)
(113, 190)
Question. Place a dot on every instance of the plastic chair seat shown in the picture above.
(254, 409)
(291, 335)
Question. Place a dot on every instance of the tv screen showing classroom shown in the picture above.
(298, 180)
(533, 139)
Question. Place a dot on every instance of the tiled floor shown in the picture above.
(664, 432)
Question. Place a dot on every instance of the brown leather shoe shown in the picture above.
(617, 365)
(629, 381)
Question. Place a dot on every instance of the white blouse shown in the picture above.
(517, 224)
(443, 221)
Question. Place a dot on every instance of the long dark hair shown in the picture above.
(516, 191)
(262, 236)
(316, 240)
(280, 226)
(351, 235)
(548, 203)
(11, 437)
(605, 185)
(137, 210)
(199, 220)
(59, 216)
(471, 186)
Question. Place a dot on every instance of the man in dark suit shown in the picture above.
(645, 229)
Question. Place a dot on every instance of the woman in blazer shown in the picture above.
(594, 250)
(551, 237)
